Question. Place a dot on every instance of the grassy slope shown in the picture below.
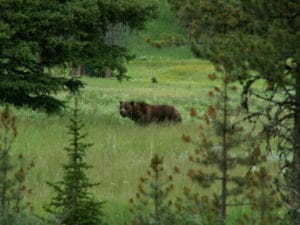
(121, 150)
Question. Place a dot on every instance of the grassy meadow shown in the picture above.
(121, 150)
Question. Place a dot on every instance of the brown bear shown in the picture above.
(144, 114)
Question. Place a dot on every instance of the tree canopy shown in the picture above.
(38, 34)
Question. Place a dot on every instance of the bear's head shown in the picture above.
(126, 108)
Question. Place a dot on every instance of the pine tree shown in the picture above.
(8, 133)
(12, 172)
(262, 198)
(32, 39)
(196, 209)
(38, 34)
(255, 41)
(73, 204)
(151, 204)
(225, 145)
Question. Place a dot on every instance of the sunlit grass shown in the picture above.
(121, 150)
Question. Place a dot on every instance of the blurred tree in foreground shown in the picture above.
(151, 204)
(228, 158)
(256, 42)
(155, 203)
(13, 173)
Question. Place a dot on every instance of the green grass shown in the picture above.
(122, 150)
(165, 23)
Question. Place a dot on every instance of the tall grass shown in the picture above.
(121, 150)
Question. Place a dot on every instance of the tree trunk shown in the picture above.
(76, 70)
(81, 70)
(108, 72)
(39, 63)
(73, 70)
(5, 168)
(296, 155)
(224, 156)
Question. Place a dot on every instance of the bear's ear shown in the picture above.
(131, 103)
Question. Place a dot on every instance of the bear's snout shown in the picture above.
(123, 111)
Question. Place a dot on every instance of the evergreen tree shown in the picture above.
(254, 41)
(263, 200)
(224, 146)
(8, 133)
(12, 173)
(73, 204)
(151, 204)
(39, 34)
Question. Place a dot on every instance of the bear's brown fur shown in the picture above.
(143, 113)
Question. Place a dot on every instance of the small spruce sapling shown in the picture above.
(73, 204)
(151, 204)
(8, 134)
(263, 199)
(12, 173)
(194, 209)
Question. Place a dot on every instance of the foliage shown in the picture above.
(12, 174)
(73, 204)
(262, 198)
(256, 41)
(196, 209)
(222, 119)
(13, 218)
(168, 40)
(37, 34)
(31, 38)
(124, 16)
(151, 205)
(8, 133)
